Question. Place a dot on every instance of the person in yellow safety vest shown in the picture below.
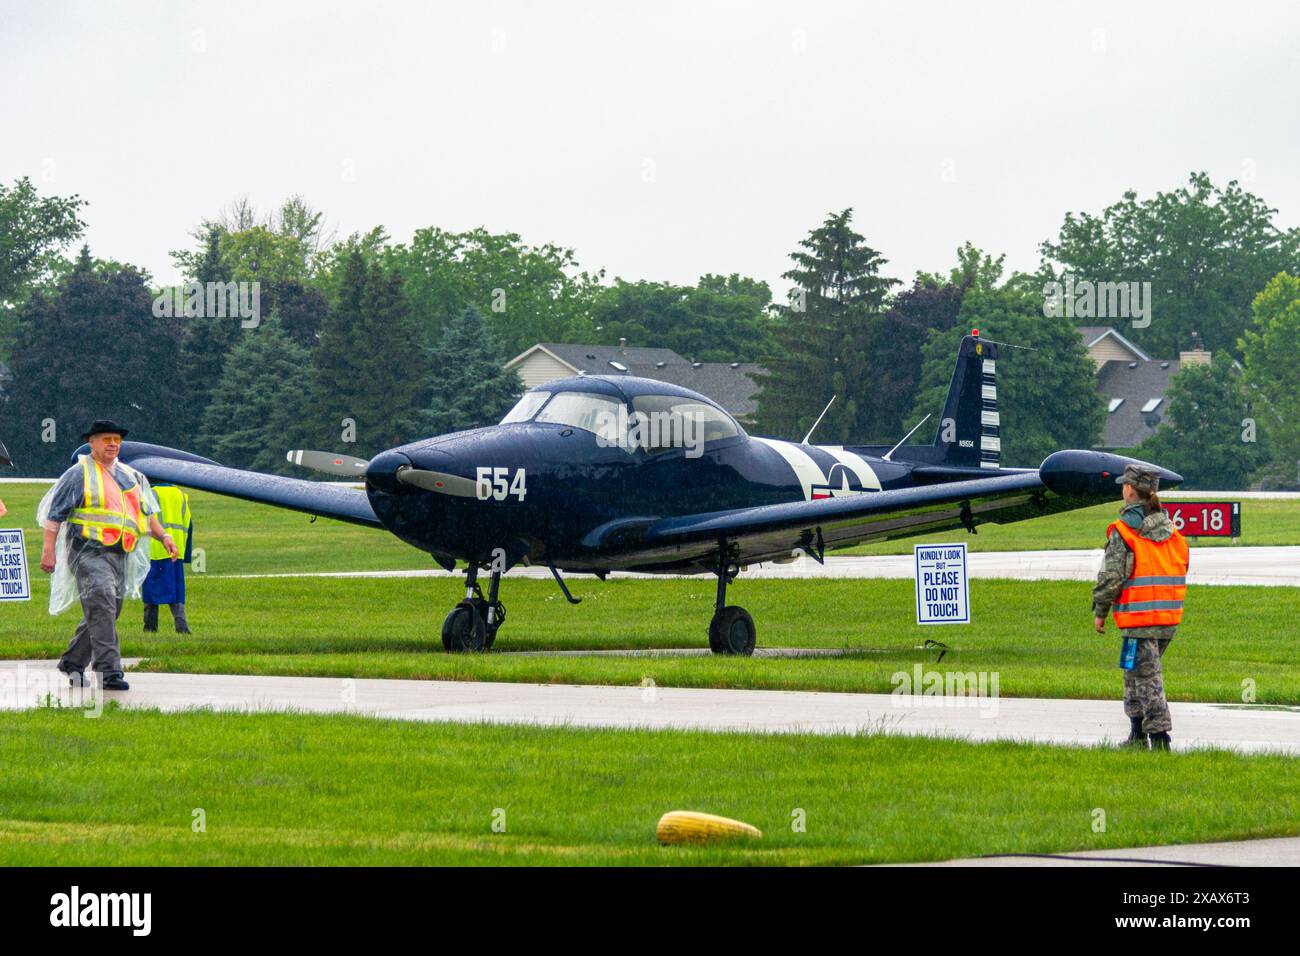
(102, 502)
(166, 581)
(1142, 582)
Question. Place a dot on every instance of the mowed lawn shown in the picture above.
(294, 789)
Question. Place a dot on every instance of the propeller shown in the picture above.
(345, 466)
(436, 481)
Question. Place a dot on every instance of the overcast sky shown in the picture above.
(660, 141)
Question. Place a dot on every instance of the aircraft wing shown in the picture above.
(312, 497)
(1066, 481)
(773, 531)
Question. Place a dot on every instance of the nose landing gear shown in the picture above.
(732, 629)
(472, 624)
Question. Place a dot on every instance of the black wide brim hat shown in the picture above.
(101, 426)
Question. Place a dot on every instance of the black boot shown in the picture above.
(1135, 737)
(1160, 741)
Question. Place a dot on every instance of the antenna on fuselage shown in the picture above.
(819, 419)
(885, 456)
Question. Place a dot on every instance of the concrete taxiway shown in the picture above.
(1278, 851)
(1244, 728)
(1275, 566)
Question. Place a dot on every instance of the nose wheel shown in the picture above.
(732, 629)
(472, 624)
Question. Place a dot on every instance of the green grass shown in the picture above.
(306, 789)
(242, 538)
(1036, 635)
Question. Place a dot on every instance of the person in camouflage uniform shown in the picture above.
(1144, 690)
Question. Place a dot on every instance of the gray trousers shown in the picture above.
(101, 584)
(1144, 687)
(179, 618)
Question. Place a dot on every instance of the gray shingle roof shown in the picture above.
(595, 359)
(1127, 426)
(732, 388)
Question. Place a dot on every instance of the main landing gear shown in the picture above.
(732, 629)
(473, 623)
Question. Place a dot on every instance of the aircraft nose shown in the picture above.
(381, 473)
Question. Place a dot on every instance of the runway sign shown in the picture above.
(1202, 519)
(14, 585)
(942, 596)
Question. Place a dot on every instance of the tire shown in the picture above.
(732, 632)
(463, 630)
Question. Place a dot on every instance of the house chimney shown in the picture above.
(1196, 356)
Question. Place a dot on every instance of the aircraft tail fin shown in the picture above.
(969, 431)
(968, 439)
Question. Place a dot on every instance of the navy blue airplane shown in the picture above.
(603, 473)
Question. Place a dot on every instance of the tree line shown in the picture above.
(364, 342)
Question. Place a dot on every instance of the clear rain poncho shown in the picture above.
(63, 582)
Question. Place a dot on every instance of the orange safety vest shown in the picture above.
(1153, 595)
(107, 513)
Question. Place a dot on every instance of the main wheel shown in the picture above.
(464, 630)
(732, 632)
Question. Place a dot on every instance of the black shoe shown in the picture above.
(1160, 741)
(150, 630)
(183, 630)
(76, 678)
(115, 683)
(1135, 737)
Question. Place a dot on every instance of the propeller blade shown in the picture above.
(436, 481)
(345, 466)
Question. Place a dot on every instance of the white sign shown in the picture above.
(942, 596)
(14, 585)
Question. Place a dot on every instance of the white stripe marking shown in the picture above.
(805, 469)
(866, 476)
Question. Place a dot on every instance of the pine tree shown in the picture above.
(828, 337)
(369, 367)
(469, 386)
(205, 343)
(90, 350)
(258, 409)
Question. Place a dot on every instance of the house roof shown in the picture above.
(1136, 383)
(729, 384)
(595, 359)
(1092, 334)
(731, 387)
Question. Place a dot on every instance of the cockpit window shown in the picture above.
(526, 407)
(592, 413)
(671, 421)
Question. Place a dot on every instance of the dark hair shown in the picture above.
(1150, 501)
